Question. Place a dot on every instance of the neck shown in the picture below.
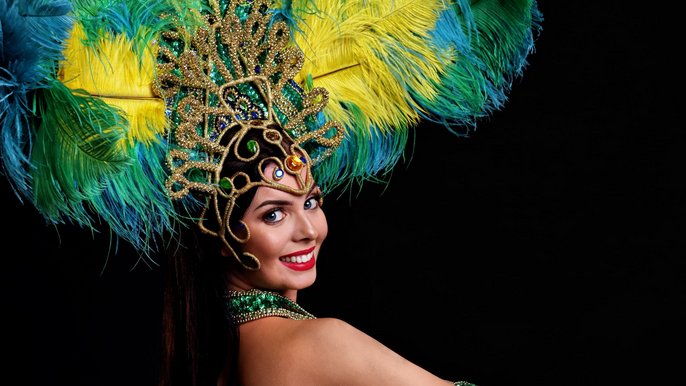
(236, 284)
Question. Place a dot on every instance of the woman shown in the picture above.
(270, 340)
(213, 116)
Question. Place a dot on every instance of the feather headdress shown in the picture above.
(87, 127)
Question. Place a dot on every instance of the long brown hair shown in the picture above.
(197, 339)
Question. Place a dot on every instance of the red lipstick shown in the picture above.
(299, 266)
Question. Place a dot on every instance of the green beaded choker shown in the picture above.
(246, 306)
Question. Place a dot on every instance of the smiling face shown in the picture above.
(286, 233)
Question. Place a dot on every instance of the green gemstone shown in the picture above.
(252, 146)
(255, 304)
(226, 184)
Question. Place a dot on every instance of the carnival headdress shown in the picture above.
(125, 111)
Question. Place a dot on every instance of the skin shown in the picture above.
(319, 352)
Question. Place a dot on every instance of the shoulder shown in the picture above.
(325, 351)
(333, 337)
(325, 330)
(291, 334)
(330, 351)
(289, 352)
(284, 337)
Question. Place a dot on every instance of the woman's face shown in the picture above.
(286, 233)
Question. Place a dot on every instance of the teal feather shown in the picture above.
(83, 177)
(291, 16)
(135, 204)
(31, 36)
(492, 40)
(139, 21)
(362, 156)
(516, 24)
(75, 153)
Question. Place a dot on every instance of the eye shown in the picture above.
(312, 202)
(274, 216)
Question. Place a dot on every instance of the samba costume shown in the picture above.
(124, 112)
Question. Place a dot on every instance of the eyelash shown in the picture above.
(317, 197)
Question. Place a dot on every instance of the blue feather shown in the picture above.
(135, 204)
(478, 81)
(456, 107)
(361, 156)
(285, 12)
(138, 20)
(31, 36)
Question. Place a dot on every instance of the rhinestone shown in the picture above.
(225, 184)
(293, 163)
(272, 136)
(252, 146)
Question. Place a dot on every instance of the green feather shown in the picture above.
(140, 21)
(135, 203)
(505, 34)
(490, 41)
(75, 152)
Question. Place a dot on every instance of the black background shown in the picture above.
(546, 249)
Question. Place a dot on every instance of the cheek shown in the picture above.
(322, 227)
(263, 243)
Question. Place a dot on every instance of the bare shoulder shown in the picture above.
(327, 351)
(329, 330)
(276, 337)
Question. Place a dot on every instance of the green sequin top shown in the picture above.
(246, 306)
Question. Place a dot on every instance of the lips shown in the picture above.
(299, 261)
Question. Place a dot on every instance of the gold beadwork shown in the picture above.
(222, 80)
(246, 306)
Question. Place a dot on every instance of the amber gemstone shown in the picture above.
(294, 163)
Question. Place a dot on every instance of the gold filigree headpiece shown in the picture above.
(229, 86)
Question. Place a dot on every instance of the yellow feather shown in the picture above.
(113, 72)
(345, 45)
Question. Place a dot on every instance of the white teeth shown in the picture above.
(298, 259)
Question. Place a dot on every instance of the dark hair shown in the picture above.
(197, 339)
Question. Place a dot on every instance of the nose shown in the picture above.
(305, 227)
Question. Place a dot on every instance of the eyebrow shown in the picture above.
(274, 202)
(283, 202)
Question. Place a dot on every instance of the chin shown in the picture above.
(306, 281)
